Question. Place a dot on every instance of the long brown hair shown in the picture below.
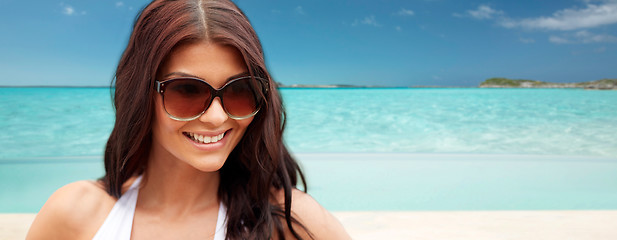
(257, 165)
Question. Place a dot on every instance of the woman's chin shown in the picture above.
(209, 164)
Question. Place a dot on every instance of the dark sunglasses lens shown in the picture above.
(242, 98)
(186, 98)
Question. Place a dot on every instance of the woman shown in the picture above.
(196, 151)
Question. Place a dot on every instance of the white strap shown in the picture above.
(221, 223)
(119, 222)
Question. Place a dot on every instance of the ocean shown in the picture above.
(56, 122)
(342, 136)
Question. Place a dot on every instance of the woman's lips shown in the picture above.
(207, 141)
(198, 138)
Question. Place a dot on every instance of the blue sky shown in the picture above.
(385, 42)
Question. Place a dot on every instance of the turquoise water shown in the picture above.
(384, 181)
(363, 149)
(52, 122)
(504, 121)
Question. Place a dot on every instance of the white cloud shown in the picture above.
(592, 15)
(484, 12)
(398, 28)
(587, 37)
(558, 40)
(119, 4)
(68, 10)
(370, 20)
(405, 12)
(300, 10)
(582, 37)
(526, 40)
(600, 50)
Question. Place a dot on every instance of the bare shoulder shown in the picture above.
(318, 221)
(72, 212)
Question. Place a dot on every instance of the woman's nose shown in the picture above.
(215, 114)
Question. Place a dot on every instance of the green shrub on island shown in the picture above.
(602, 82)
(506, 82)
(521, 83)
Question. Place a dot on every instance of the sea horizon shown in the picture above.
(77, 121)
(450, 149)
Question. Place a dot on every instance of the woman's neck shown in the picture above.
(176, 188)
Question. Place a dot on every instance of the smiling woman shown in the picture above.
(196, 140)
(196, 150)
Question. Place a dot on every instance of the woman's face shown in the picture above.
(216, 64)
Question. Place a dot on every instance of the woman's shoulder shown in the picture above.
(74, 211)
(315, 218)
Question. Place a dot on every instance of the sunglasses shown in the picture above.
(186, 98)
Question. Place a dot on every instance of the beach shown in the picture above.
(406, 120)
(418, 196)
(409, 164)
(476, 225)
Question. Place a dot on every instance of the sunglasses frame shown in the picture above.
(161, 85)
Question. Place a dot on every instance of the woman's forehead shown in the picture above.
(212, 62)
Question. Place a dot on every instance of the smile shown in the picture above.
(204, 139)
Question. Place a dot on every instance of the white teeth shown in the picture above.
(205, 139)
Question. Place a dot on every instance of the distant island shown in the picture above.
(603, 84)
(280, 85)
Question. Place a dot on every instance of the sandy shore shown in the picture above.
(493, 225)
(476, 225)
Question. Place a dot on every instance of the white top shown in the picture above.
(119, 222)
